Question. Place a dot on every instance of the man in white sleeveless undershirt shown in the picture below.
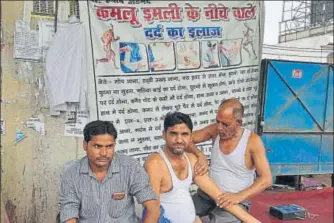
(171, 174)
(236, 154)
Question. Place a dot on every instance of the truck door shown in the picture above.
(296, 116)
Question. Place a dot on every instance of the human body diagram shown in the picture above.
(188, 55)
(229, 52)
(161, 56)
(133, 57)
(210, 58)
(248, 42)
(108, 38)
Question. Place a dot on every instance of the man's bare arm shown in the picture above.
(191, 148)
(73, 220)
(262, 168)
(152, 211)
(205, 133)
(202, 165)
(261, 183)
(205, 183)
(201, 135)
(153, 168)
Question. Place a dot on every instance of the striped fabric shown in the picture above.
(82, 196)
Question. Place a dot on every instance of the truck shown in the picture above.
(296, 117)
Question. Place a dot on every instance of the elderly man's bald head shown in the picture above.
(235, 106)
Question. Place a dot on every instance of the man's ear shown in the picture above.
(84, 145)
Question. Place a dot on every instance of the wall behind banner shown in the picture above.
(29, 169)
(152, 58)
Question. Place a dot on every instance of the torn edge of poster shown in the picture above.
(37, 124)
(75, 123)
(3, 127)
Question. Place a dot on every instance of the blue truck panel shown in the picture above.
(297, 112)
(281, 149)
(283, 110)
(329, 111)
(326, 155)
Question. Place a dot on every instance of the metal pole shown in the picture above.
(56, 16)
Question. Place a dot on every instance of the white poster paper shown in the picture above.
(75, 123)
(3, 127)
(36, 124)
(26, 42)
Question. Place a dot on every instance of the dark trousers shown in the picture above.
(204, 205)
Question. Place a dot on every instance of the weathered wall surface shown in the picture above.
(29, 169)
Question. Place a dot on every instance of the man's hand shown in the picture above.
(227, 200)
(201, 166)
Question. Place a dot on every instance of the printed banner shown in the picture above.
(153, 57)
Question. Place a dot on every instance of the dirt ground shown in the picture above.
(325, 179)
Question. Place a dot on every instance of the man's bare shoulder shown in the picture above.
(154, 160)
(192, 158)
(254, 136)
(255, 142)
